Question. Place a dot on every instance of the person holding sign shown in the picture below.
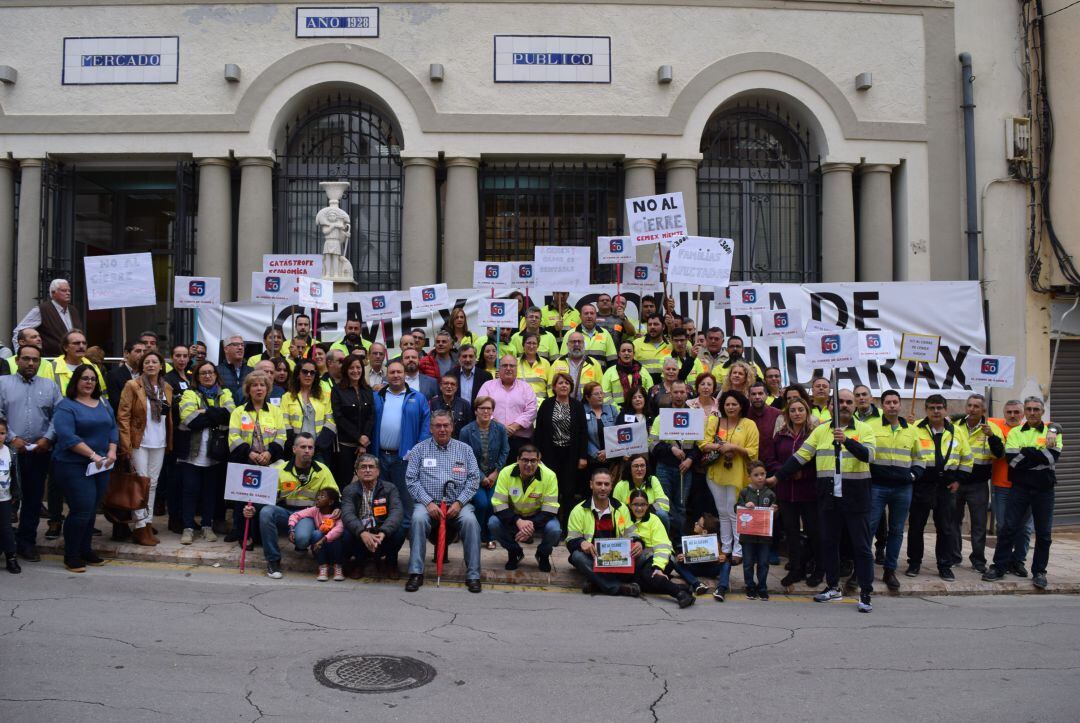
(843, 492)
(652, 565)
(598, 415)
(526, 504)
(575, 364)
(352, 340)
(674, 460)
(626, 374)
(599, 517)
(299, 347)
(652, 348)
(256, 435)
(730, 442)
(458, 328)
(986, 444)
(598, 343)
(559, 316)
(756, 547)
(640, 479)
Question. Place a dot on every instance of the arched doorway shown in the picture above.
(759, 185)
(343, 138)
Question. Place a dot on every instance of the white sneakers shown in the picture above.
(829, 594)
(187, 536)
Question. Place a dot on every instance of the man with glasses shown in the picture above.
(402, 418)
(233, 369)
(515, 403)
(372, 513)
(526, 505)
(470, 377)
(774, 387)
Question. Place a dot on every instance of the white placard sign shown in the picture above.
(814, 326)
(523, 273)
(562, 268)
(700, 548)
(682, 424)
(991, 371)
(196, 292)
(919, 347)
(119, 281)
(274, 288)
(552, 59)
(877, 344)
(643, 278)
(430, 297)
(316, 293)
(833, 349)
(749, 299)
(492, 275)
(656, 219)
(622, 440)
(251, 483)
(293, 264)
(121, 60)
(337, 22)
(782, 324)
(721, 298)
(498, 313)
(700, 260)
(615, 250)
(379, 305)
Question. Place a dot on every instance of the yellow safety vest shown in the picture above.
(613, 391)
(541, 494)
(599, 346)
(979, 443)
(589, 371)
(653, 490)
(654, 540)
(651, 355)
(294, 494)
(819, 447)
(242, 426)
(292, 408)
(582, 525)
(535, 374)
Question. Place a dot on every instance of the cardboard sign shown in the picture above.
(274, 288)
(749, 299)
(316, 293)
(642, 278)
(431, 297)
(757, 521)
(700, 548)
(615, 250)
(878, 344)
(919, 347)
(623, 440)
(682, 424)
(782, 324)
(119, 281)
(196, 292)
(992, 371)
(613, 556)
(293, 264)
(523, 273)
(722, 298)
(498, 314)
(251, 483)
(656, 219)
(379, 305)
(492, 275)
(563, 268)
(701, 260)
(833, 349)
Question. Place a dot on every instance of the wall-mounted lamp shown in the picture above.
(232, 72)
(8, 75)
(864, 81)
(436, 72)
(663, 74)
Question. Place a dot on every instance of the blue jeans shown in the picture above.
(32, 471)
(606, 583)
(669, 482)
(273, 520)
(306, 535)
(756, 555)
(720, 570)
(898, 501)
(481, 503)
(999, 497)
(392, 470)
(199, 484)
(1023, 501)
(505, 535)
(83, 495)
(469, 530)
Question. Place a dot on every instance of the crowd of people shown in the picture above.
(499, 438)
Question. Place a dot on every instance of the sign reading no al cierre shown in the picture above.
(552, 59)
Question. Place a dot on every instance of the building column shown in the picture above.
(461, 225)
(29, 241)
(682, 176)
(255, 221)
(7, 246)
(640, 180)
(419, 223)
(837, 223)
(875, 223)
(214, 232)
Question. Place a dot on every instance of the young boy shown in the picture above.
(7, 537)
(756, 547)
(705, 525)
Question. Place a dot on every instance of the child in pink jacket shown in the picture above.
(320, 528)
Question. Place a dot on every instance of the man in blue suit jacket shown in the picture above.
(402, 418)
(420, 382)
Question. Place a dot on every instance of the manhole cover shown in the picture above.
(373, 673)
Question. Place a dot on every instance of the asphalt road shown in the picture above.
(140, 642)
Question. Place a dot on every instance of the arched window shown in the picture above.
(758, 185)
(343, 139)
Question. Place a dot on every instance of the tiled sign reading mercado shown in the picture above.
(552, 59)
(337, 22)
(121, 60)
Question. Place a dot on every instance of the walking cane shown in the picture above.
(243, 545)
(440, 551)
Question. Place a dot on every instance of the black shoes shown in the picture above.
(1039, 580)
(74, 565)
(30, 554)
(543, 562)
(993, 574)
(589, 589)
(13, 565)
(473, 585)
(630, 590)
(685, 599)
(514, 556)
(120, 533)
(813, 581)
(791, 578)
(890, 580)
(52, 532)
(92, 558)
(979, 567)
(718, 594)
(701, 589)
(912, 570)
(1018, 569)
(763, 595)
(414, 583)
(751, 593)
(946, 574)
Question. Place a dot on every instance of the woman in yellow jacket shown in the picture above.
(652, 563)
(733, 440)
(458, 326)
(306, 408)
(256, 436)
(532, 368)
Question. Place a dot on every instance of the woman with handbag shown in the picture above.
(306, 408)
(201, 446)
(353, 405)
(145, 427)
(256, 436)
(86, 439)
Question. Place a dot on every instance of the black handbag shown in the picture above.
(217, 446)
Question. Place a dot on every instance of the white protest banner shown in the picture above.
(316, 293)
(991, 371)
(379, 305)
(433, 297)
(877, 344)
(523, 273)
(749, 299)
(623, 440)
(562, 268)
(814, 326)
(721, 298)
(492, 274)
(656, 219)
(919, 347)
(700, 260)
(614, 250)
(250, 483)
(274, 288)
(119, 281)
(682, 424)
(498, 313)
(293, 264)
(643, 278)
(833, 349)
(782, 324)
(196, 292)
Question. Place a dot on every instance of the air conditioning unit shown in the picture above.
(1018, 139)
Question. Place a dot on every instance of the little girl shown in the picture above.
(320, 527)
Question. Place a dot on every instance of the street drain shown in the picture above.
(373, 673)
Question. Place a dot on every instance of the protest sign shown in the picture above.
(432, 297)
(919, 347)
(251, 483)
(316, 293)
(492, 274)
(756, 521)
(748, 299)
(523, 273)
(643, 278)
(682, 424)
(196, 292)
(274, 288)
(293, 264)
(722, 298)
(833, 349)
(498, 313)
(814, 326)
(878, 344)
(656, 219)
(378, 305)
(700, 260)
(119, 281)
(615, 250)
(700, 548)
(782, 324)
(562, 268)
(623, 440)
(613, 555)
(991, 371)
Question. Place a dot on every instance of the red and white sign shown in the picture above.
(293, 264)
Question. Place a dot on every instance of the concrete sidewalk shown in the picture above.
(1063, 574)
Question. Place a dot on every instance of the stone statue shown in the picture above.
(335, 225)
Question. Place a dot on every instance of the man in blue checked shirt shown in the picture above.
(437, 464)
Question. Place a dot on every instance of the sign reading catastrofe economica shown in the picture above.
(121, 61)
(337, 22)
(552, 59)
